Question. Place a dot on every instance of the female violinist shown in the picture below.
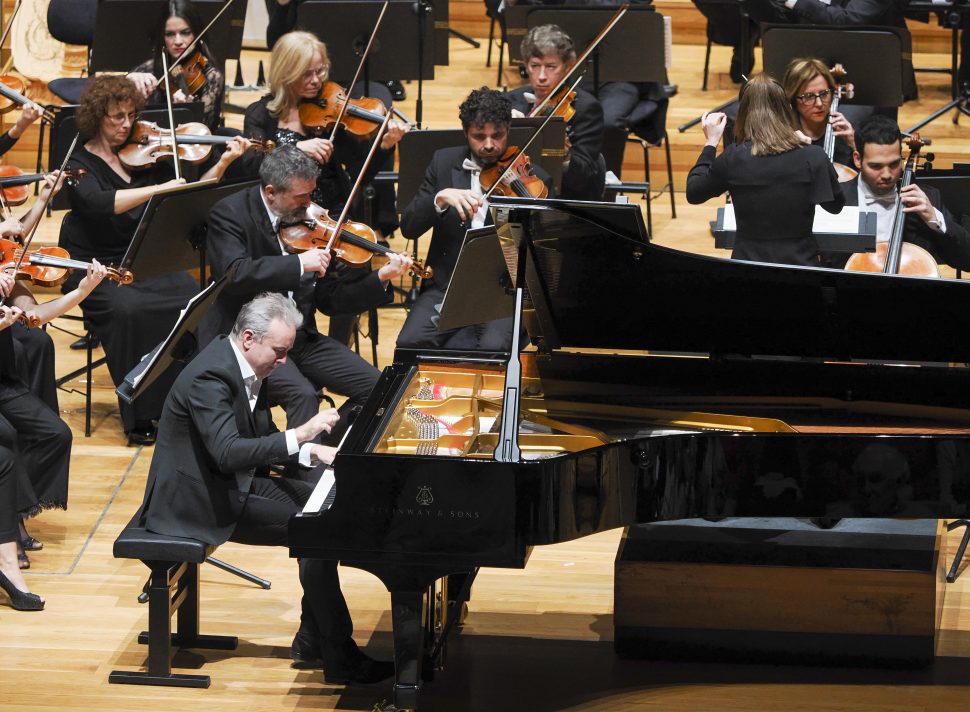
(28, 115)
(810, 87)
(105, 210)
(299, 66)
(197, 78)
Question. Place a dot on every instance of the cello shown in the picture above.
(896, 256)
(847, 90)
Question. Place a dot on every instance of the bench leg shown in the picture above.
(183, 579)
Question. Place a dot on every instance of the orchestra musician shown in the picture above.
(106, 207)
(928, 223)
(449, 201)
(549, 54)
(810, 88)
(774, 178)
(244, 244)
(176, 29)
(208, 478)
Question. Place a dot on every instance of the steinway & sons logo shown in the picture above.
(424, 499)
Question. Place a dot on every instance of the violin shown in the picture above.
(359, 117)
(896, 256)
(48, 266)
(11, 91)
(14, 182)
(563, 101)
(519, 181)
(844, 172)
(149, 143)
(189, 76)
(354, 245)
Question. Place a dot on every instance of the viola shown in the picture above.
(896, 256)
(149, 143)
(361, 117)
(354, 245)
(518, 182)
(14, 182)
(48, 266)
(12, 92)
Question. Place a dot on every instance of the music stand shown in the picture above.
(417, 148)
(861, 50)
(64, 129)
(480, 287)
(633, 51)
(123, 31)
(171, 234)
(399, 50)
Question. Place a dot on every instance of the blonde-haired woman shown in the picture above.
(775, 178)
(810, 88)
(299, 66)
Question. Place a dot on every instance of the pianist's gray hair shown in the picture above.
(284, 164)
(546, 39)
(257, 315)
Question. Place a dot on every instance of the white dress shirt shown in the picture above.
(884, 206)
(478, 219)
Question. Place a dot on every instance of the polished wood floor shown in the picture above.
(537, 640)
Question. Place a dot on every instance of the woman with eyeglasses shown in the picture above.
(106, 206)
(176, 30)
(774, 177)
(810, 88)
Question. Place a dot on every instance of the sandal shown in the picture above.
(31, 544)
(22, 561)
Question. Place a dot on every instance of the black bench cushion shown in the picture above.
(136, 542)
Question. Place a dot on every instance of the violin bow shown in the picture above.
(30, 236)
(360, 179)
(171, 117)
(360, 67)
(532, 138)
(621, 11)
(13, 16)
(198, 38)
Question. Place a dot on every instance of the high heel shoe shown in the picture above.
(20, 600)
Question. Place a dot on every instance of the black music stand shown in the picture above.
(180, 346)
(171, 234)
(950, 17)
(400, 49)
(480, 288)
(123, 31)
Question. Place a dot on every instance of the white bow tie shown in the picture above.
(470, 165)
(889, 200)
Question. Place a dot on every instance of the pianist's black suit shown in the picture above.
(419, 331)
(242, 244)
(207, 481)
(951, 247)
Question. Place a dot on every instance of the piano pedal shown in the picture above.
(385, 706)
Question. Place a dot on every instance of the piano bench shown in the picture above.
(173, 587)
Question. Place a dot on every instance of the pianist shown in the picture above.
(208, 478)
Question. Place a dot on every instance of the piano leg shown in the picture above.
(409, 638)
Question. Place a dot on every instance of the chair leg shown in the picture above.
(670, 177)
(491, 38)
(87, 387)
(646, 179)
(707, 64)
(501, 58)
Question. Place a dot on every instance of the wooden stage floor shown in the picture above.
(537, 640)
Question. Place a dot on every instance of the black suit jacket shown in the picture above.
(951, 247)
(209, 447)
(586, 175)
(444, 171)
(241, 243)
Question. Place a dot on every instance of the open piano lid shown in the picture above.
(596, 281)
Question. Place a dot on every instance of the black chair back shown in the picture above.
(72, 21)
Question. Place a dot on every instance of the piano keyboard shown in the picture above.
(323, 494)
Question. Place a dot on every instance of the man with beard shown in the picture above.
(449, 201)
(244, 244)
(928, 223)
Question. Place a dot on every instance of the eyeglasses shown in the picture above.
(120, 117)
(317, 73)
(811, 98)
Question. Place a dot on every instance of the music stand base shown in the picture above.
(954, 571)
(960, 104)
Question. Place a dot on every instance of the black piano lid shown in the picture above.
(597, 282)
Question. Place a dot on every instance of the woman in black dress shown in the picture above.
(106, 207)
(176, 30)
(775, 178)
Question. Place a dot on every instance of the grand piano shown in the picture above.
(658, 385)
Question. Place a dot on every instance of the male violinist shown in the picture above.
(929, 224)
(244, 244)
(450, 201)
(549, 56)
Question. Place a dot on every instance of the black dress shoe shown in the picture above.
(396, 89)
(82, 343)
(305, 652)
(362, 670)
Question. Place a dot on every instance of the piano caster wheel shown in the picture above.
(385, 706)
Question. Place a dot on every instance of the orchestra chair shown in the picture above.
(491, 11)
(724, 28)
(173, 590)
(87, 371)
(71, 22)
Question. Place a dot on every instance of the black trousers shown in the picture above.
(43, 449)
(264, 521)
(34, 350)
(9, 519)
(420, 330)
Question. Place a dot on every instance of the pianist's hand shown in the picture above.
(323, 453)
(464, 201)
(321, 422)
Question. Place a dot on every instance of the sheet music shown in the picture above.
(845, 222)
(668, 43)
